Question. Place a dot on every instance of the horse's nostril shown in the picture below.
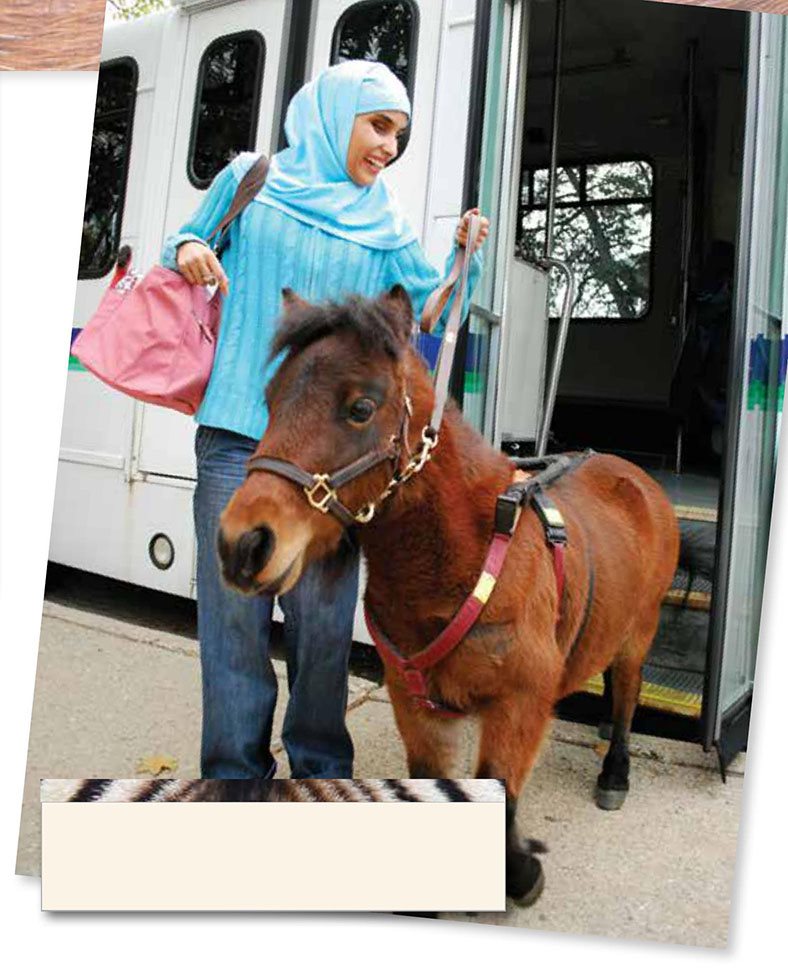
(254, 550)
(249, 555)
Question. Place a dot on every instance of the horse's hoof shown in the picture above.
(605, 731)
(525, 884)
(609, 799)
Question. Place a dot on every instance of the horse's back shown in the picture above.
(623, 531)
(625, 516)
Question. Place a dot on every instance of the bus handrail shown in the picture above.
(549, 263)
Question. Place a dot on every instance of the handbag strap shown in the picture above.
(250, 185)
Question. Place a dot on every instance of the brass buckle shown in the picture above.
(365, 515)
(320, 480)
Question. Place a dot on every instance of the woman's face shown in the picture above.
(373, 144)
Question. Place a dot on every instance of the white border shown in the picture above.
(45, 122)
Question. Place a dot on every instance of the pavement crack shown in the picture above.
(115, 633)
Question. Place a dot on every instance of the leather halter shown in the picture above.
(321, 489)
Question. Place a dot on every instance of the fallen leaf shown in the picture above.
(154, 765)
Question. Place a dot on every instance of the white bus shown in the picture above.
(644, 138)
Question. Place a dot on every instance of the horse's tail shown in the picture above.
(696, 553)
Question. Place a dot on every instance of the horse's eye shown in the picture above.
(361, 410)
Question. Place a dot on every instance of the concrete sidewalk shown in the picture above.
(110, 694)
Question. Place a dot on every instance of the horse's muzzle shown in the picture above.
(245, 557)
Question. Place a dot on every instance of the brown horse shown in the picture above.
(342, 392)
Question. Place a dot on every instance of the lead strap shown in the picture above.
(449, 343)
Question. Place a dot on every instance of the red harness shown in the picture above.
(412, 668)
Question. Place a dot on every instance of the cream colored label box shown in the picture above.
(273, 857)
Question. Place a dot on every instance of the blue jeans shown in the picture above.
(239, 687)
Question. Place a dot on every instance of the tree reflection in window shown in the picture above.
(227, 104)
(380, 30)
(108, 167)
(603, 229)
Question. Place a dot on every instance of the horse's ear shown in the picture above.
(291, 300)
(397, 301)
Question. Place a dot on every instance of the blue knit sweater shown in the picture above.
(269, 251)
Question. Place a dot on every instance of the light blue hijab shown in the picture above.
(309, 181)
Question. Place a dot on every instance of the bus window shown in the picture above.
(108, 168)
(603, 229)
(226, 105)
(380, 30)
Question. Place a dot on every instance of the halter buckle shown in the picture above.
(320, 504)
(366, 514)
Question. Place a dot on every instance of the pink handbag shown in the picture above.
(153, 337)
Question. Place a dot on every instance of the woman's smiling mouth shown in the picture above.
(375, 165)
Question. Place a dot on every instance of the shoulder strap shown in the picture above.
(250, 185)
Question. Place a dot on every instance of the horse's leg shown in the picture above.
(606, 723)
(431, 741)
(512, 730)
(613, 782)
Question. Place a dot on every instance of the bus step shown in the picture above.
(670, 690)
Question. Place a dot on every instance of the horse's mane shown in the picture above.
(367, 320)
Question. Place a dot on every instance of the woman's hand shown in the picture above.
(199, 266)
(462, 229)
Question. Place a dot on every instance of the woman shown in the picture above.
(326, 226)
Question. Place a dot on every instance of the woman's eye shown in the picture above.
(361, 410)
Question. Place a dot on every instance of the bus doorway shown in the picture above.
(638, 111)
(649, 138)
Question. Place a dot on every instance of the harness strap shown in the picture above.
(358, 467)
(321, 488)
(555, 533)
(283, 468)
(412, 668)
(508, 508)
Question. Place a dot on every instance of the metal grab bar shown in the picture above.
(558, 355)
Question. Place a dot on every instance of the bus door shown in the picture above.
(96, 438)
(505, 365)
(227, 101)
(754, 391)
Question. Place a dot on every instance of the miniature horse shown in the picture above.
(346, 389)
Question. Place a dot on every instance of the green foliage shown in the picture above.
(131, 9)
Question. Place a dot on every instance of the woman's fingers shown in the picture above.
(212, 273)
(216, 271)
(193, 263)
(484, 231)
(199, 266)
(462, 229)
